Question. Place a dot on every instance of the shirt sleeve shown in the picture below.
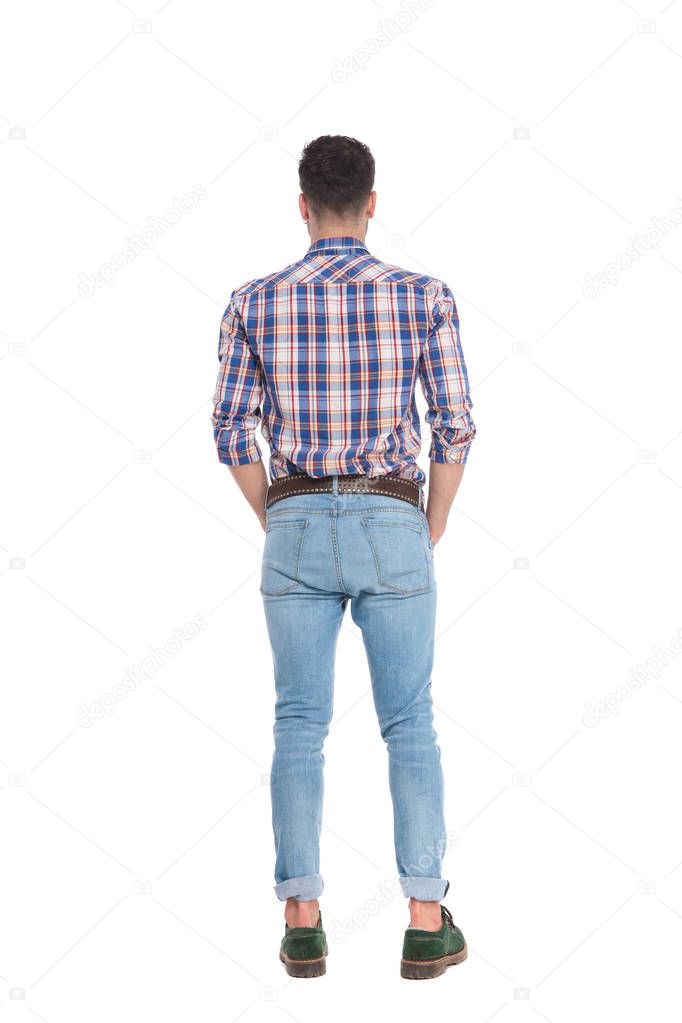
(238, 395)
(443, 376)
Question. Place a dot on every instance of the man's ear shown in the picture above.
(371, 204)
(303, 206)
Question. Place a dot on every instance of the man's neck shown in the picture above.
(320, 231)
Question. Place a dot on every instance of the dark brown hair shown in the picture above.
(336, 174)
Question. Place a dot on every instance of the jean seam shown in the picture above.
(379, 509)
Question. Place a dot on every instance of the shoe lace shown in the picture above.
(448, 915)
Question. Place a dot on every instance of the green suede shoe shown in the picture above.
(303, 950)
(429, 953)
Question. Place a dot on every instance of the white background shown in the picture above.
(137, 854)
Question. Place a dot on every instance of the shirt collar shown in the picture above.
(337, 243)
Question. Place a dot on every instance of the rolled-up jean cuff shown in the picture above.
(303, 888)
(427, 889)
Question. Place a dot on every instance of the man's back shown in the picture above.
(326, 354)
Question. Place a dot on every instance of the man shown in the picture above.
(325, 355)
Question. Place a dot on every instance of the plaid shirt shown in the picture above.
(325, 356)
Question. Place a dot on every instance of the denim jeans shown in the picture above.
(321, 551)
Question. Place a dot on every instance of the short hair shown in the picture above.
(336, 174)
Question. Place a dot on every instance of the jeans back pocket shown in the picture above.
(281, 563)
(399, 552)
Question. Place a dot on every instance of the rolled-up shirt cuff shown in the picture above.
(237, 449)
(457, 455)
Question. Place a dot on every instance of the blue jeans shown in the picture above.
(322, 550)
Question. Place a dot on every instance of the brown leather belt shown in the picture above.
(385, 486)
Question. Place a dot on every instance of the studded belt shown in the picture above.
(385, 486)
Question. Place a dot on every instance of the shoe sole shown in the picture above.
(425, 970)
(305, 967)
